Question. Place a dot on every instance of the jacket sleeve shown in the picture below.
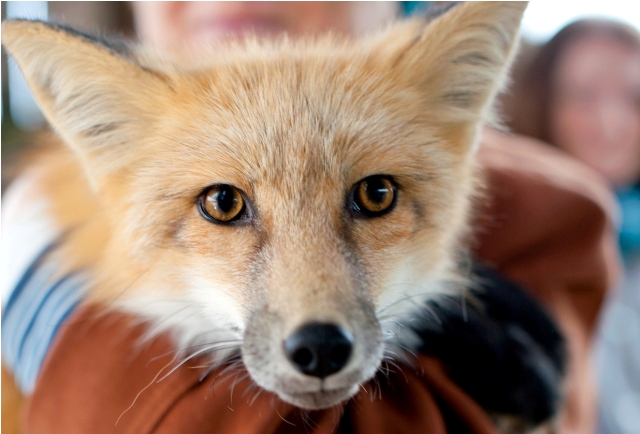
(547, 223)
(98, 378)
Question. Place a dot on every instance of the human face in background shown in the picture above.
(595, 107)
(176, 25)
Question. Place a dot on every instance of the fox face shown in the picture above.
(289, 201)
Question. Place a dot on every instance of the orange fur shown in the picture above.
(293, 125)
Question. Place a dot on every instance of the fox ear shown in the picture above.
(93, 93)
(460, 62)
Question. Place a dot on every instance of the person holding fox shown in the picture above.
(293, 217)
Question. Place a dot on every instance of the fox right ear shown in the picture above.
(459, 62)
(93, 93)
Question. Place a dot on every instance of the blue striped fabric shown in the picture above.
(38, 305)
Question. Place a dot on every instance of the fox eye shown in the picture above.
(221, 203)
(374, 196)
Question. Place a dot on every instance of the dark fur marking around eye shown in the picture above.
(174, 228)
(174, 234)
(418, 210)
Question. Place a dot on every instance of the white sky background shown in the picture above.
(543, 18)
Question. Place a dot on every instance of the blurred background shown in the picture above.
(588, 106)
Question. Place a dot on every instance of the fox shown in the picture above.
(289, 201)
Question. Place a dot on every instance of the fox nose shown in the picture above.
(319, 349)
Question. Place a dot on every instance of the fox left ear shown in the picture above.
(460, 62)
(94, 93)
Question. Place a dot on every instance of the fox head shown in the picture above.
(298, 197)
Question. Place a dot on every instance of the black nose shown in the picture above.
(319, 349)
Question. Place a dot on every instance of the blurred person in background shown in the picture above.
(176, 26)
(581, 93)
(183, 26)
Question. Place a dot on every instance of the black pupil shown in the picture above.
(376, 189)
(225, 199)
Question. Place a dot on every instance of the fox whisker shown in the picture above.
(258, 393)
(229, 360)
(184, 349)
(145, 388)
(403, 299)
(233, 365)
(283, 419)
(195, 354)
(236, 380)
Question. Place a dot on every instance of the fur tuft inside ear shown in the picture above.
(93, 93)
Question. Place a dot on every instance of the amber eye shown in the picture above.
(222, 204)
(374, 196)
